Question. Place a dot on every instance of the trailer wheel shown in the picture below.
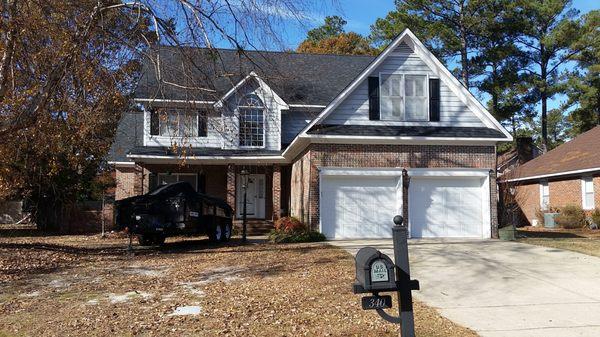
(159, 239)
(227, 230)
(145, 240)
(214, 233)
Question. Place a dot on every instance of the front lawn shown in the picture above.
(579, 240)
(85, 285)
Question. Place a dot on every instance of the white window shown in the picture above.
(169, 178)
(252, 122)
(544, 195)
(587, 192)
(178, 123)
(404, 97)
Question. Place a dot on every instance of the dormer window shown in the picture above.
(251, 112)
(178, 123)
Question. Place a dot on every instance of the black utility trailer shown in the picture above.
(174, 209)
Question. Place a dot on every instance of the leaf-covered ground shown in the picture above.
(86, 285)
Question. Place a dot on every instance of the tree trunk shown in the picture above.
(464, 60)
(544, 97)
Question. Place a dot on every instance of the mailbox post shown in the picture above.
(376, 273)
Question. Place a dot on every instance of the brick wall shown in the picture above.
(562, 193)
(362, 155)
(124, 179)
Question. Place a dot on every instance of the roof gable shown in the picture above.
(406, 42)
(264, 90)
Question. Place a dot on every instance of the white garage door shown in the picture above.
(354, 207)
(447, 207)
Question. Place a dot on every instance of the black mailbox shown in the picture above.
(375, 272)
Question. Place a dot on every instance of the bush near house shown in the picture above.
(571, 217)
(292, 230)
(596, 217)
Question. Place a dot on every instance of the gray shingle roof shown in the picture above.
(405, 131)
(296, 78)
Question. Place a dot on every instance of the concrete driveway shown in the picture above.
(500, 288)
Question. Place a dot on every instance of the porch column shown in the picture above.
(138, 179)
(276, 192)
(231, 186)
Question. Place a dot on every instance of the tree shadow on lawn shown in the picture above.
(549, 235)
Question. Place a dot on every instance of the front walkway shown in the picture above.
(500, 288)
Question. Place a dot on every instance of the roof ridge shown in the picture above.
(266, 51)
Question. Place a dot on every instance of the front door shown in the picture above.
(255, 196)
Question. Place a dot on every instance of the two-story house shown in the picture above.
(325, 138)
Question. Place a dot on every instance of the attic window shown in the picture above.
(404, 97)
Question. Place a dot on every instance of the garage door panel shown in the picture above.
(357, 207)
(446, 207)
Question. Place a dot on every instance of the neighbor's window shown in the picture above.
(179, 123)
(544, 195)
(252, 123)
(404, 97)
(587, 192)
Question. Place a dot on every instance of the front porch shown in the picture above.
(267, 194)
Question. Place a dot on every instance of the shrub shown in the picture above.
(296, 237)
(596, 217)
(289, 224)
(571, 217)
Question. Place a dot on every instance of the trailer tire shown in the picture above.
(159, 239)
(213, 233)
(145, 240)
(227, 231)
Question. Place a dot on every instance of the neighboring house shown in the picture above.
(567, 175)
(325, 137)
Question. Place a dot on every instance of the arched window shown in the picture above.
(252, 121)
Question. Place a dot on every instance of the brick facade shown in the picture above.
(305, 171)
(124, 180)
(563, 192)
(276, 192)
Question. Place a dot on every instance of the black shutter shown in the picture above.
(434, 99)
(154, 125)
(202, 123)
(201, 182)
(152, 181)
(374, 98)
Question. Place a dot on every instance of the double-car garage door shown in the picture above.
(361, 204)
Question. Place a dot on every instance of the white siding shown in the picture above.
(355, 108)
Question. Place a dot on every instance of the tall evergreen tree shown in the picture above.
(447, 27)
(583, 84)
(547, 31)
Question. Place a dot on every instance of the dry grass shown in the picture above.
(579, 240)
(84, 285)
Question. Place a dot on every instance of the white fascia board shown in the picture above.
(170, 101)
(307, 106)
(551, 175)
(121, 163)
(261, 83)
(401, 140)
(151, 159)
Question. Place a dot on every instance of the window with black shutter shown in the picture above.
(154, 122)
(202, 123)
(434, 99)
(374, 98)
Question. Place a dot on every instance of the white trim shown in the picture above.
(307, 106)
(544, 185)
(400, 140)
(345, 171)
(451, 172)
(158, 100)
(155, 159)
(565, 173)
(583, 183)
(121, 163)
(282, 104)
